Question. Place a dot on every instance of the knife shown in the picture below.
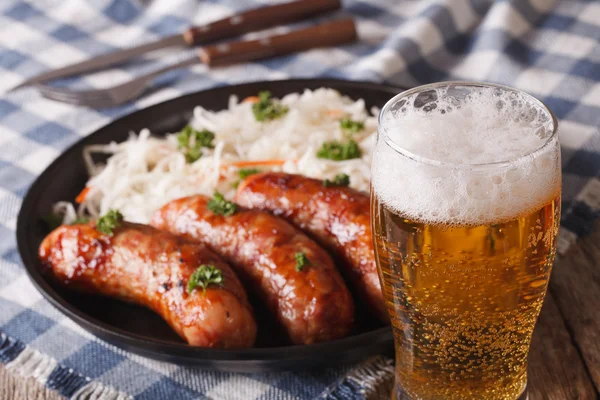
(248, 21)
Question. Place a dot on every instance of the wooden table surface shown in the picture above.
(564, 362)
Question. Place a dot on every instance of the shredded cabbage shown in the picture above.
(145, 172)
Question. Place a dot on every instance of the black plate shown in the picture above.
(140, 331)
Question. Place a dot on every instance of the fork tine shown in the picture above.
(53, 96)
(71, 94)
(111, 96)
(94, 102)
(75, 100)
(85, 99)
(95, 99)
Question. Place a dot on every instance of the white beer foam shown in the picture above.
(458, 134)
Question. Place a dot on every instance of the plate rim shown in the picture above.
(148, 346)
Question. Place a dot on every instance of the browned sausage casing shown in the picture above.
(143, 265)
(313, 305)
(338, 217)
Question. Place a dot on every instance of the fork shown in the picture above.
(322, 35)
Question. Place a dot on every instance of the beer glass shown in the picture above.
(465, 197)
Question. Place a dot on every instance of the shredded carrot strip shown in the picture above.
(251, 99)
(241, 164)
(335, 113)
(82, 195)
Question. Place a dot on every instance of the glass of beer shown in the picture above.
(465, 197)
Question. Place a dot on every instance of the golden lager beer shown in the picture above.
(465, 210)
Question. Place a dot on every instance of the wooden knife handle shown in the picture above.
(259, 18)
(322, 35)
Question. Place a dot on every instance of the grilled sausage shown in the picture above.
(312, 305)
(143, 265)
(338, 217)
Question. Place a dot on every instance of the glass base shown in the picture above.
(399, 394)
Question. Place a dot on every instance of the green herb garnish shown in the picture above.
(191, 142)
(266, 109)
(82, 220)
(204, 276)
(301, 260)
(351, 126)
(218, 205)
(339, 180)
(245, 172)
(109, 222)
(338, 151)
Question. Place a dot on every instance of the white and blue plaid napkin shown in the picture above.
(548, 48)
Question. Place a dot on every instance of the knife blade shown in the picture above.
(247, 21)
(104, 60)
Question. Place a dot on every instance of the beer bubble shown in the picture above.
(499, 211)
(430, 107)
(423, 98)
(514, 175)
(479, 188)
(538, 283)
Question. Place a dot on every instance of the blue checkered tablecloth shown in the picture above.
(548, 48)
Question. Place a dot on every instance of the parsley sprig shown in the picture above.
(191, 142)
(218, 205)
(301, 260)
(339, 151)
(267, 109)
(339, 180)
(350, 126)
(243, 173)
(203, 276)
(109, 222)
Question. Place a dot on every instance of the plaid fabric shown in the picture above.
(547, 48)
